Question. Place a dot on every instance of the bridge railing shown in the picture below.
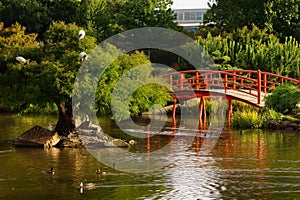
(252, 82)
(269, 81)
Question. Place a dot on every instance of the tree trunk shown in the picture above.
(65, 124)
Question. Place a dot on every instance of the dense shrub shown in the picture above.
(284, 98)
(127, 87)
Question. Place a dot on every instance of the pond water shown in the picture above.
(253, 165)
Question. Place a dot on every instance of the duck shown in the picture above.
(98, 171)
(81, 34)
(169, 166)
(20, 59)
(132, 142)
(83, 56)
(52, 171)
(87, 186)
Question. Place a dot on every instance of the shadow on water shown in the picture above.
(255, 164)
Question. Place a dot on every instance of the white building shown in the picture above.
(190, 19)
(189, 13)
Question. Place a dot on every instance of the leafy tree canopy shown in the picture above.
(279, 16)
(106, 18)
(37, 15)
(102, 18)
(233, 14)
(50, 69)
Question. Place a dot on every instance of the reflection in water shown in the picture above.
(193, 180)
(254, 165)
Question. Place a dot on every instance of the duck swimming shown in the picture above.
(98, 171)
(87, 186)
(52, 171)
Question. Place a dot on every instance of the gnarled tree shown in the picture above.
(49, 73)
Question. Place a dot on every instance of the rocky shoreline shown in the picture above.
(87, 136)
(283, 125)
(91, 135)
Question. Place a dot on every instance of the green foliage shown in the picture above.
(128, 73)
(244, 107)
(204, 30)
(271, 115)
(280, 17)
(284, 98)
(14, 40)
(49, 73)
(37, 15)
(101, 18)
(104, 18)
(291, 119)
(39, 109)
(141, 13)
(232, 14)
(254, 49)
(62, 60)
(246, 119)
(247, 116)
(15, 76)
(148, 97)
(218, 49)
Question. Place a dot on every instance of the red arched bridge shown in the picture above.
(249, 86)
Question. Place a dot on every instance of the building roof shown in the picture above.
(190, 4)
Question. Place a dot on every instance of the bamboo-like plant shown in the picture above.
(254, 49)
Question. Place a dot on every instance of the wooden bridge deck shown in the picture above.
(244, 96)
(240, 95)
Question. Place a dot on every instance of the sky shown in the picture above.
(179, 4)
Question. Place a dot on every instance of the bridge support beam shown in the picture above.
(258, 86)
(229, 112)
(202, 112)
(174, 113)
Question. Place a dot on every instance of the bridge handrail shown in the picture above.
(228, 79)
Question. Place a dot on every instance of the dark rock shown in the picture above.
(37, 137)
(274, 125)
(72, 141)
(87, 134)
(94, 136)
(283, 125)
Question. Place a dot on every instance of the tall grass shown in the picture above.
(247, 116)
(247, 119)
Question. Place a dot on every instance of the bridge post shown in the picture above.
(225, 84)
(265, 83)
(181, 80)
(202, 110)
(197, 80)
(174, 113)
(229, 112)
(258, 86)
(234, 80)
